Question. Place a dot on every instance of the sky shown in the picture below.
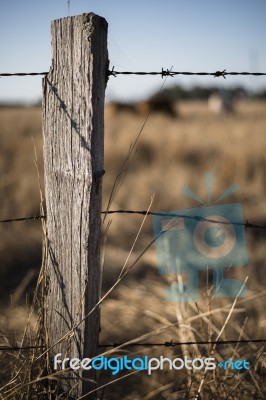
(143, 35)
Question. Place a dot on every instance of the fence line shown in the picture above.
(163, 73)
(175, 344)
(171, 73)
(247, 225)
(35, 217)
(23, 74)
(17, 348)
(162, 344)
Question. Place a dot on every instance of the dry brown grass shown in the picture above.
(171, 153)
(20, 247)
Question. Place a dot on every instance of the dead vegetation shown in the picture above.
(170, 154)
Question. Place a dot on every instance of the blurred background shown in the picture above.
(195, 125)
(147, 36)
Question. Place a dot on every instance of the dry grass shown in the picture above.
(171, 153)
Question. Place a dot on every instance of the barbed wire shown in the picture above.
(149, 344)
(163, 73)
(166, 72)
(247, 224)
(17, 348)
(22, 218)
(7, 74)
(175, 344)
(194, 217)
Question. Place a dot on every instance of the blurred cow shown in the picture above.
(153, 105)
(115, 107)
(164, 106)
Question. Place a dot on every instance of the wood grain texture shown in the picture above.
(73, 132)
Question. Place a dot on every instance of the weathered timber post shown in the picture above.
(73, 115)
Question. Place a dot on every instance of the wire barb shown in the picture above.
(111, 72)
(167, 73)
(220, 73)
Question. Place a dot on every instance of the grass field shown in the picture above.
(170, 154)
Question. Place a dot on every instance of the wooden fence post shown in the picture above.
(73, 115)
